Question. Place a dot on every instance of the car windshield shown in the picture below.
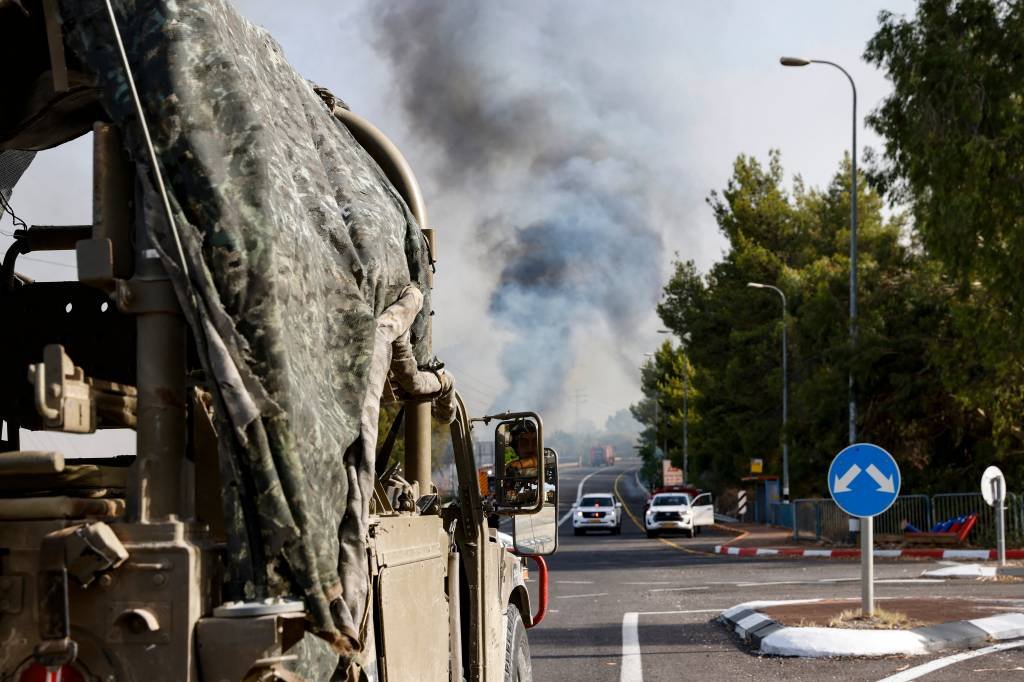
(596, 501)
(671, 500)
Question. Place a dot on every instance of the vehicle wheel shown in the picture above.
(652, 533)
(517, 648)
(689, 533)
(617, 530)
(577, 531)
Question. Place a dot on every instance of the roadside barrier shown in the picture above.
(822, 519)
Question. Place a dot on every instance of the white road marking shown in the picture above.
(939, 663)
(574, 582)
(577, 596)
(631, 670)
(579, 494)
(678, 589)
(649, 583)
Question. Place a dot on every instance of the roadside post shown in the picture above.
(993, 489)
(864, 480)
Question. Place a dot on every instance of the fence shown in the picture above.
(822, 519)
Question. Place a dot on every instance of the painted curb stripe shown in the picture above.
(750, 622)
(960, 633)
(751, 625)
(1003, 626)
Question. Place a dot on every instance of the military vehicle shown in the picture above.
(252, 295)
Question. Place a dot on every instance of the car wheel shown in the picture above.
(652, 533)
(577, 531)
(689, 533)
(617, 530)
(517, 648)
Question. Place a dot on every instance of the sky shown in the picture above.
(566, 151)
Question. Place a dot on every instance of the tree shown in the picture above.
(954, 153)
(798, 240)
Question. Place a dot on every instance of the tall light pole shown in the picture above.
(798, 61)
(686, 408)
(785, 392)
(657, 394)
(867, 528)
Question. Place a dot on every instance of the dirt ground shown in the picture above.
(921, 611)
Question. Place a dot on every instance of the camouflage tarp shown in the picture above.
(295, 244)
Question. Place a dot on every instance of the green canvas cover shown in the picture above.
(295, 243)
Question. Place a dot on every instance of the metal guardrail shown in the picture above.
(822, 519)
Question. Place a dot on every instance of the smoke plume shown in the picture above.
(536, 136)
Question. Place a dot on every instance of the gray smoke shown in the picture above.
(537, 138)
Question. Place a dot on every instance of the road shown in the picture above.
(627, 608)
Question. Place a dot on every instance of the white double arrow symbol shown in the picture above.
(886, 484)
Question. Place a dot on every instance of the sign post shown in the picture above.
(864, 481)
(993, 489)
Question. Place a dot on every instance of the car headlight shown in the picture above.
(579, 515)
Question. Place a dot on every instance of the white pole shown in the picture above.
(867, 566)
(997, 484)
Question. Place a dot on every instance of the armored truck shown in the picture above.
(252, 305)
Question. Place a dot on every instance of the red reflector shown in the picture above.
(39, 673)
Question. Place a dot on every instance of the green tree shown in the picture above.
(798, 240)
(954, 153)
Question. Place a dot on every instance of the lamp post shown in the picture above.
(686, 408)
(785, 392)
(664, 452)
(798, 61)
(867, 529)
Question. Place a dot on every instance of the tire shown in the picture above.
(617, 530)
(577, 531)
(517, 648)
(690, 533)
(652, 533)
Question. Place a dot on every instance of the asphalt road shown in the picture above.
(627, 608)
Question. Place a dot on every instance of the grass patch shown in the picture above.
(882, 620)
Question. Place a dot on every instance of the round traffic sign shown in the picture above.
(864, 480)
(988, 486)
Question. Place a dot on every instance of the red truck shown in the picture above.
(602, 456)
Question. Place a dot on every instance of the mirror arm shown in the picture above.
(465, 465)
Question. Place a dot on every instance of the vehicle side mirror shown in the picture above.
(518, 473)
(619, 505)
(538, 533)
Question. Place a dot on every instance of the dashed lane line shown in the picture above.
(640, 525)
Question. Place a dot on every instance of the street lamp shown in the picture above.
(798, 61)
(664, 452)
(686, 410)
(867, 531)
(785, 392)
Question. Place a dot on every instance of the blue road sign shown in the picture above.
(864, 480)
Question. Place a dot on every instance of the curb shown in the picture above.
(801, 553)
(974, 572)
(772, 638)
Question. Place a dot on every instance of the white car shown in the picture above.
(677, 512)
(597, 511)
